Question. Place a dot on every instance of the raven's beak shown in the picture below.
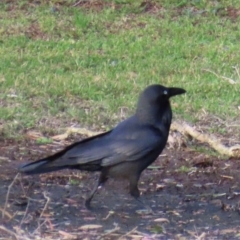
(175, 91)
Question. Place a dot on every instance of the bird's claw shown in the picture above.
(87, 204)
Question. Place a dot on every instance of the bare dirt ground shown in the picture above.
(193, 196)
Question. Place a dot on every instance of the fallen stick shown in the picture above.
(70, 130)
(7, 196)
(214, 143)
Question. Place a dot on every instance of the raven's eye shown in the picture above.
(165, 92)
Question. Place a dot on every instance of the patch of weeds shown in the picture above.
(206, 150)
(73, 181)
(44, 140)
(214, 129)
(81, 20)
(157, 229)
(184, 169)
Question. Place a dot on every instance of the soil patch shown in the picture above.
(192, 195)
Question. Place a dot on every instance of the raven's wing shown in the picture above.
(131, 150)
(111, 150)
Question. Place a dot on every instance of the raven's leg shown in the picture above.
(134, 191)
(133, 182)
(102, 179)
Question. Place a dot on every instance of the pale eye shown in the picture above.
(165, 92)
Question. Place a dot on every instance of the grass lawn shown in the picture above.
(84, 63)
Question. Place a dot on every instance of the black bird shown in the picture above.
(123, 152)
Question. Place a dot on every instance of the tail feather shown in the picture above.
(46, 165)
(38, 167)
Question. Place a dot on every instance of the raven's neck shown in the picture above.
(159, 117)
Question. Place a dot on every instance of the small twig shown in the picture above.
(46, 204)
(25, 213)
(71, 130)
(231, 81)
(44, 209)
(227, 177)
(201, 237)
(8, 192)
(128, 233)
(111, 231)
(9, 232)
(217, 195)
(236, 69)
(77, 3)
(109, 214)
(6, 213)
(39, 226)
(22, 187)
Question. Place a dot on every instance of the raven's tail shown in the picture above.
(40, 166)
(60, 161)
(45, 165)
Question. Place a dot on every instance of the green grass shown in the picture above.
(184, 169)
(44, 140)
(63, 65)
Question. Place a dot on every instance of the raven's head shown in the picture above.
(153, 104)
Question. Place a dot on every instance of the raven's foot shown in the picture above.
(88, 204)
(88, 201)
